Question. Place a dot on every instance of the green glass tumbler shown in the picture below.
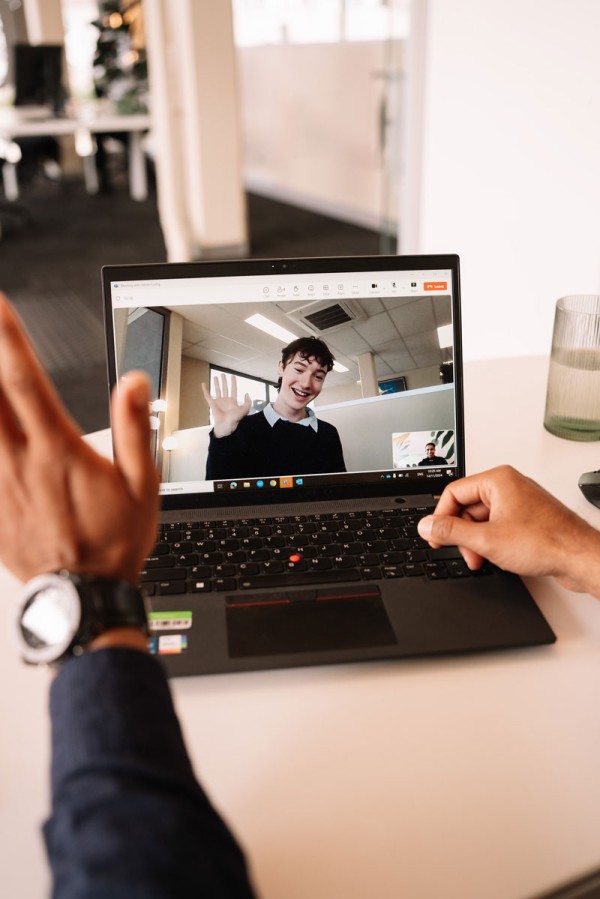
(573, 396)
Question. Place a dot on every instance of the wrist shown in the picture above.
(65, 614)
(121, 637)
(582, 562)
(224, 430)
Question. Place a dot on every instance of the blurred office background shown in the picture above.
(314, 127)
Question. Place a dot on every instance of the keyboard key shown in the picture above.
(163, 574)
(161, 561)
(344, 562)
(165, 588)
(413, 569)
(161, 549)
(415, 555)
(444, 552)
(199, 586)
(225, 583)
(371, 574)
(249, 568)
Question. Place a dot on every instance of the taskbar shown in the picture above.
(291, 482)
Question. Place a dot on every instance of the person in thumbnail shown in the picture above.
(430, 456)
(286, 437)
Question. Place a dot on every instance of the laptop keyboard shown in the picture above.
(288, 551)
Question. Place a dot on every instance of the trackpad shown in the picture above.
(313, 620)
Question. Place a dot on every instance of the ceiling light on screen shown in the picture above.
(265, 324)
(269, 327)
(445, 336)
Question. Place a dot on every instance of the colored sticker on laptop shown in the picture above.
(169, 621)
(172, 644)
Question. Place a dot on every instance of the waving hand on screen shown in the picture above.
(227, 412)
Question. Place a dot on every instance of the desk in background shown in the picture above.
(87, 120)
(473, 777)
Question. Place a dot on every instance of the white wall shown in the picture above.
(311, 119)
(511, 164)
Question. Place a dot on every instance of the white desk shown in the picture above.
(93, 119)
(461, 778)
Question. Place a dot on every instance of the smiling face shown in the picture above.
(430, 450)
(302, 380)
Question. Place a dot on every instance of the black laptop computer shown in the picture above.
(291, 539)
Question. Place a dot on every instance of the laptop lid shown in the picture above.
(394, 394)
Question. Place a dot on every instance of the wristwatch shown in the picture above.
(60, 613)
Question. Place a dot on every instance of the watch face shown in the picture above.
(49, 619)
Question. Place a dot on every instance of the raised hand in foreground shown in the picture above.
(63, 505)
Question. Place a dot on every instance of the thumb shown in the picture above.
(448, 530)
(131, 433)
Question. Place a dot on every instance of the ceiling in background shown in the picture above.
(400, 333)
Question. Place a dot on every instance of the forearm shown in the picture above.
(126, 807)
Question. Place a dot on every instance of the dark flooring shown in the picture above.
(53, 246)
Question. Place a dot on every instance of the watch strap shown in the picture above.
(107, 603)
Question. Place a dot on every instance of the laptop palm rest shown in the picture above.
(308, 620)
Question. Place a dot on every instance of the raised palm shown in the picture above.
(227, 412)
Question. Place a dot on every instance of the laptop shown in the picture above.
(288, 535)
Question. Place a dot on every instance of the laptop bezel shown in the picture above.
(301, 266)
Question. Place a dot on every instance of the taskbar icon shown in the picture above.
(284, 482)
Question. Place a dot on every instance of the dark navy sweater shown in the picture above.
(256, 449)
(129, 818)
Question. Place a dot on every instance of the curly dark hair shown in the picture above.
(309, 348)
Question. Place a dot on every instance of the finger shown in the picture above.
(465, 492)
(217, 388)
(234, 387)
(207, 395)
(224, 387)
(448, 530)
(27, 391)
(131, 433)
(247, 403)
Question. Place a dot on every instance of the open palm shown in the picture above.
(227, 412)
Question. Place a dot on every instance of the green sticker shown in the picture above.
(169, 621)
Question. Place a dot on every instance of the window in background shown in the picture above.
(80, 44)
(260, 22)
(3, 55)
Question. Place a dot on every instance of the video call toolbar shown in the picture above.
(324, 286)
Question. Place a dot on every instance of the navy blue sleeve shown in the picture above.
(129, 818)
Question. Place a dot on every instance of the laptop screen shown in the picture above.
(274, 380)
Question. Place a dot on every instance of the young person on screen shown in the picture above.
(286, 437)
(430, 456)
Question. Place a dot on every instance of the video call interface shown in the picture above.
(269, 383)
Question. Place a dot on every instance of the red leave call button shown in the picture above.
(435, 285)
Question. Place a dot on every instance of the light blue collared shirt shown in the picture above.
(273, 417)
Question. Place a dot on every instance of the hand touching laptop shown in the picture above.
(507, 518)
